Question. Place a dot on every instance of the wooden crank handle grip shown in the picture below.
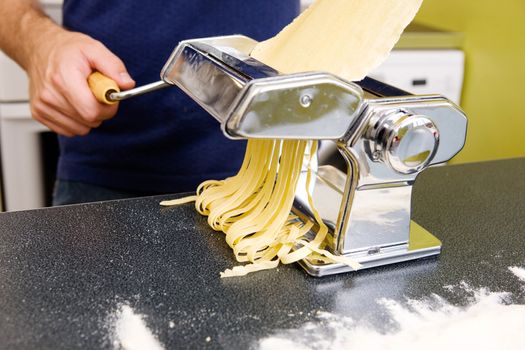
(102, 87)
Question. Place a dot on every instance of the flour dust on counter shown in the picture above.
(518, 272)
(487, 320)
(129, 331)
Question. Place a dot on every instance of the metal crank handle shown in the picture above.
(107, 91)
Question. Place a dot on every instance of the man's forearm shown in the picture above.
(22, 27)
(58, 63)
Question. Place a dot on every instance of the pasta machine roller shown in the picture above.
(375, 140)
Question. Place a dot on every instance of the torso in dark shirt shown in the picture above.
(162, 141)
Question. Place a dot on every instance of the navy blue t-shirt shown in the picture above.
(162, 141)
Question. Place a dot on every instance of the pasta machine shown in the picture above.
(375, 140)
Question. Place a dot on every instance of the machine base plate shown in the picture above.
(421, 244)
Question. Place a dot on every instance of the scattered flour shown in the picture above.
(130, 332)
(487, 322)
(518, 272)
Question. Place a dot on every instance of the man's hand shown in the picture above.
(58, 70)
(58, 63)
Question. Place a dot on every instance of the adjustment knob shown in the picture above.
(405, 141)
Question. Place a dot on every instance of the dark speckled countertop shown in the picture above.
(65, 271)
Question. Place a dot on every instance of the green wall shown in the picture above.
(494, 88)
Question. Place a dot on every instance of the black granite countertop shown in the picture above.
(66, 272)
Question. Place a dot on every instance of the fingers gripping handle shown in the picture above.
(102, 87)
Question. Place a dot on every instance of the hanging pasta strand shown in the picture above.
(253, 208)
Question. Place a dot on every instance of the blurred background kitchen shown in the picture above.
(471, 51)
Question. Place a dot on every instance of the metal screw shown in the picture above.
(376, 155)
(306, 100)
(374, 250)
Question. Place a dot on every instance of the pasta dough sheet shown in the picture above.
(348, 38)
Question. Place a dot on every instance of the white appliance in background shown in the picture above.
(416, 71)
(424, 71)
(22, 168)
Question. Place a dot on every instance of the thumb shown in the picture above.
(107, 63)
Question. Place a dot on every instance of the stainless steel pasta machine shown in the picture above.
(375, 140)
